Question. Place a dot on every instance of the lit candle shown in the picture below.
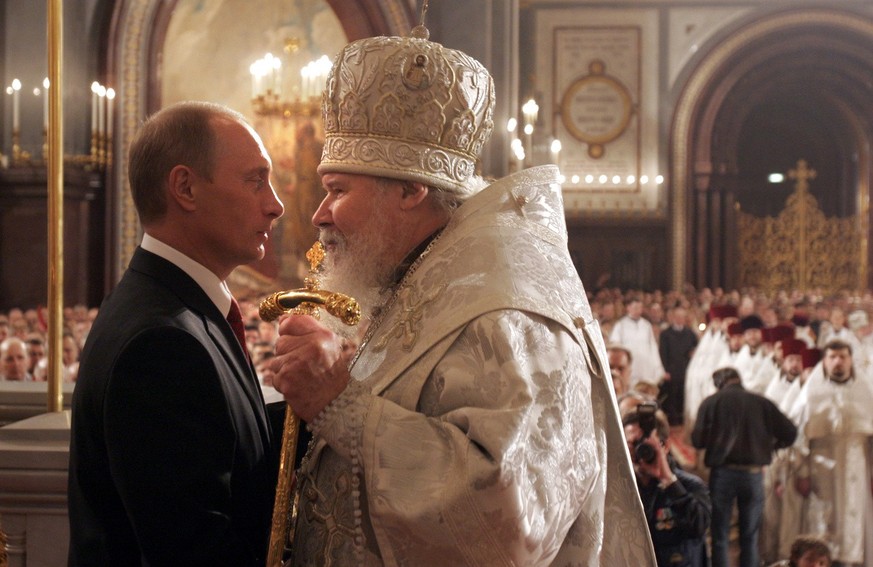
(16, 88)
(530, 111)
(304, 79)
(270, 72)
(518, 152)
(101, 110)
(45, 104)
(323, 64)
(95, 88)
(556, 150)
(110, 96)
(253, 71)
(528, 139)
(276, 74)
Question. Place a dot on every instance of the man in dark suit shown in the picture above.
(676, 346)
(172, 456)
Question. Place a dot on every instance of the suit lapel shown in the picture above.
(215, 323)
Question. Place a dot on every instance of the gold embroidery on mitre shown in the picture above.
(407, 108)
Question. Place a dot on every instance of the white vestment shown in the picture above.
(748, 364)
(637, 336)
(845, 334)
(711, 351)
(837, 428)
(784, 508)
(767, 372)
(480, 426)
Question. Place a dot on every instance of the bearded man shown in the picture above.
(474, 422)
(837, 428)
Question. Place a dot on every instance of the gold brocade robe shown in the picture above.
(480, 427)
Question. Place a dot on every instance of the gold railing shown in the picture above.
(801, 248)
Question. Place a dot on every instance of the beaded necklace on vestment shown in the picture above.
(383, 310)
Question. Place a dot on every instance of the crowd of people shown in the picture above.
(808, 355)
(24, 342)
(774, 391)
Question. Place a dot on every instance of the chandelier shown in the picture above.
(279, 89)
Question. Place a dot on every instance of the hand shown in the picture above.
(803, 486)
(779, 489)
(310, 366)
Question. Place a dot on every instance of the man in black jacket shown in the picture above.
(676, 502)
(739, 430)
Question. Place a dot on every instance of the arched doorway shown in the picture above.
(791, 85)
(134, 55)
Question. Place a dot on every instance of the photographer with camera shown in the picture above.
(676, 502)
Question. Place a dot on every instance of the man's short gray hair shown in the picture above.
(4, 346)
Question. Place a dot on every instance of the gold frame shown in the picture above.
(597, 76)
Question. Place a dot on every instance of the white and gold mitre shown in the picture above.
(407, 108)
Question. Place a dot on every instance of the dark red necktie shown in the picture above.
(234, 317)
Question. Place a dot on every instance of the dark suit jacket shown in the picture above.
(172, 461)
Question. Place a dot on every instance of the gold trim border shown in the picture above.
(133, 72)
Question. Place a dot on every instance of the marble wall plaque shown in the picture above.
(597, 78)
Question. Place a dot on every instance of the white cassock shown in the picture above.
(828, 334)
(778, 389)
(783, 506)
(767, 372)
(863, 358)
(637, 336)
(836, 424)
(748, 364)
(711, 351)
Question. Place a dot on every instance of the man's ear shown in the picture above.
(181, 182)
(414, 193)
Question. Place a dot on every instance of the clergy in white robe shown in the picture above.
(834, 412)
(782, 504)
(474, 423)
(634, 332)
(715, 350)
(753, 357)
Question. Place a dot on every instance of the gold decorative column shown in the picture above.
(55, 206)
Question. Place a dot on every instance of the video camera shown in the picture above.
(644, 451)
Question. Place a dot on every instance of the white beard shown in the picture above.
(360, 268)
